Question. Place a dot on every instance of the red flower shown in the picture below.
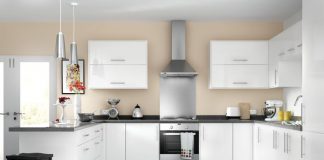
(76, 86)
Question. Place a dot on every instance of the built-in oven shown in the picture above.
(170, 140)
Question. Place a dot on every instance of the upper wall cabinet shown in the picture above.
(239, 52)
(285, 54)
(238, 64)
(120, 64)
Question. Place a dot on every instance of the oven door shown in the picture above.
(170, 145)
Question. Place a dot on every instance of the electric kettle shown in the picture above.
(137, 112)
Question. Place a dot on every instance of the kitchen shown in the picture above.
(219, 81)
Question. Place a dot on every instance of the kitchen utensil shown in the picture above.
(245, 110)
(137, 112)
(86, 117)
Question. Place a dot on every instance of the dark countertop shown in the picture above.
(148, 119)
(54, 128)
(279, 124)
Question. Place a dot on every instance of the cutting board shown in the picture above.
(245, 110)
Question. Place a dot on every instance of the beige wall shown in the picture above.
(38, 39)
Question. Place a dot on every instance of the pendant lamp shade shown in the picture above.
(74, 48)
(60, 42)
(74, 53)
(60, 46)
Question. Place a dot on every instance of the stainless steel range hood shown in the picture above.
(178, 80)
(178, 65)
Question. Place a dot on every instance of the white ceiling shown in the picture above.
(47, 10)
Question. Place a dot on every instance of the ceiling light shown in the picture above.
(60, 43)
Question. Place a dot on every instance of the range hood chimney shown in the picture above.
(178, 65)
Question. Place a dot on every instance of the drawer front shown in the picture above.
(239, 52)
(118, 52)
(88, 134)
(117, 76)
(85, 151)
(239, 76)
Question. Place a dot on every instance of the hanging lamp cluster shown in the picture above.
(60, 42)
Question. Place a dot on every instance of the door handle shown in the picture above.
(17, 113)
(5, 114)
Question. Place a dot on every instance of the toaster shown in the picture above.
(233, 112)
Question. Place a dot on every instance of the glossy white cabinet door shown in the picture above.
(117, 51)
(239, 52)
(115, 141)
(313, 146)
(239, 76)
(263, 143)
(142, 141)
(313, 65)
(215, 141)
(242, 141)
(285, 74)
(117, 77)
(294, 145)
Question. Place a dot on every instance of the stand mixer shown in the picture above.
(272, 107)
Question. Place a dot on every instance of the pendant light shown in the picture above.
(60, 43)
(74, 50)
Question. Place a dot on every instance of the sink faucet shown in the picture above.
(297, 99)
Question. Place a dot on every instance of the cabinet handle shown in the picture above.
(258, 134)
(157, 133)
(97, 131)
(276, 71)
(13, 63)
(300, 45)
(240, 83)
(273, 139)
(86, 135)
(96, 143)
(240, 60)
(291, 49)
(117, 60)
(281, 54)
(203, 134)
(9, 62)
(86, 149)
(117, 83)
(288, 142)
(302, 153)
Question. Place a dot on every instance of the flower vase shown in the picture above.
(62, 118)
(77, 106)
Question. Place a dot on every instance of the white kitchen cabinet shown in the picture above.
(117, 51)
(215, 141)
(285, 66)
(117, 64)
(84, 144)
(239, 52)
(295, 145)
(142, 141)
(115, 141)
(263, 142)
(242, 141)
(118, 77)
(285, 74)
(238, 64)
(239, 76)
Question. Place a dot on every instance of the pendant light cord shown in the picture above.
(73, 8)
(60, 15)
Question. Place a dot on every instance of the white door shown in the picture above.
(115, 141)
(242, 141)
(313, 146)
(142, 141)
(215, 141)
(27, 92)
(263, 143)
(294, 145)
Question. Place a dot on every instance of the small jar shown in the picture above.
(280, 115)
(287, 116)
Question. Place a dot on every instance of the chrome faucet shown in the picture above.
(297, 99)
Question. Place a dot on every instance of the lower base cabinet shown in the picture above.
(277, 143)
(215, 141)
(313, 144)
(242, 141)
(132, 141)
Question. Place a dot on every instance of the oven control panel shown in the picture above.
(179, 127)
